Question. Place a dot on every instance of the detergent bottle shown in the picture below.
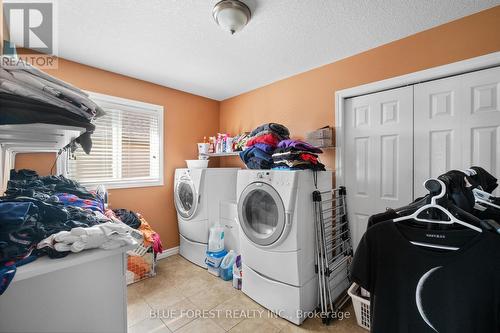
(216, 238)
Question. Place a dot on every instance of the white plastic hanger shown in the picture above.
(469, 172)
(434, 205)
(483, 197)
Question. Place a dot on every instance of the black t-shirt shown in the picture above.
(416, 289)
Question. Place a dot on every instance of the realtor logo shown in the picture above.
(31, 26)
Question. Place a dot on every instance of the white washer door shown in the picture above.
(262, 214)
(186, 198)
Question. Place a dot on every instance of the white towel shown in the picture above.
(108, 236)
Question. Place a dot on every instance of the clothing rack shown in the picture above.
(334, 251)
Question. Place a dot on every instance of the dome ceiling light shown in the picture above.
(231, 15)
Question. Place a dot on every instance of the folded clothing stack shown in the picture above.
(296, 155)
(22, 79)
(261, 144)
(30, 96)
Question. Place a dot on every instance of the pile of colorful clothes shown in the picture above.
(261, 145)
(269, 147)
(55, 216)
(296, 155)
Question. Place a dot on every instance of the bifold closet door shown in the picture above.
(378, 155)
(457, 125)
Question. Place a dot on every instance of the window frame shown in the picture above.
(135, 106)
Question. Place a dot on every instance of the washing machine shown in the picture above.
(197, 196)
(277, 242)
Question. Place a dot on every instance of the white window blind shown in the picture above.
(127, 146)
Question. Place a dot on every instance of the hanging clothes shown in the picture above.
(410, 285)
(415, 268)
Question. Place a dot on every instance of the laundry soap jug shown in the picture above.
(216, 238)
(226, 266)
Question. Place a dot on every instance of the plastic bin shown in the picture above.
(361, 306)
(141, 261)
(321, 142)
(321, 133)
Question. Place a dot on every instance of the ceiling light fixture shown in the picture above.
(231, 15)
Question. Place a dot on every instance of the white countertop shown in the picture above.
(46, 265)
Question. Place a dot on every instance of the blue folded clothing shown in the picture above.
(257, 153)
(254, 158)
(258, 164)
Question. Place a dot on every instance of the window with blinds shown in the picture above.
(127, 146)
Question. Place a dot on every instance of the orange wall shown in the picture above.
(182, 126)
(307, 101)
(40, 162)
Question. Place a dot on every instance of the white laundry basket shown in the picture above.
(361, 306)
(141, 261)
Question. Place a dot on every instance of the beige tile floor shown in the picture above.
(179, 298)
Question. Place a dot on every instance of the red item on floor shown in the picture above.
(269, 139)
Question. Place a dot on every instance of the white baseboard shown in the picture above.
(167, 253)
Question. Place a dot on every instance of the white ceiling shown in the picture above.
(175, 43)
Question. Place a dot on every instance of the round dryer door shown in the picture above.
(261, 213)
(186, 198)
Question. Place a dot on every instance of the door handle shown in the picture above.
(288, 218)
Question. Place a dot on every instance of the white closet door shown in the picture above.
(438, 130)
(481, 137)
(457, 123)
(378, 154)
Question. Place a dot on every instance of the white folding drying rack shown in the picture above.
(334, 251)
